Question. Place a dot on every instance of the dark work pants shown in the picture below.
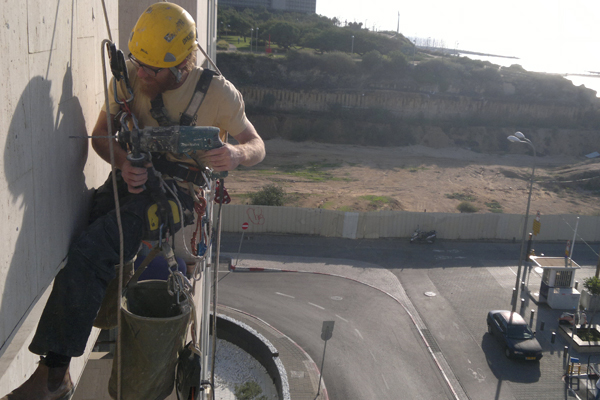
(80, 286)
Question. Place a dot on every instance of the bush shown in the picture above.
(222, 45)
(466, 207)
(249, 391)
(372, 61)
(269, 195)
(592, 284)
(338, 63)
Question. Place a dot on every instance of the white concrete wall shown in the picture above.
(401, 224)
(52, 88)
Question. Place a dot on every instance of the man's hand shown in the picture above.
(224, 158)
(250, 151)
(135, 177)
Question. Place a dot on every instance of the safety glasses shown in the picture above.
(149, 70)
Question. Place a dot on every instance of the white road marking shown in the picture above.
(511, 270)
(343, 319)
(285, 295)
(359, 335)
(372, 355)
(315, 305)
(384, 381)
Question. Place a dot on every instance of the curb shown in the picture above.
(259, 347)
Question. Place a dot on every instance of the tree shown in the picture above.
(592, 284)
(372, 61)
(284, 33)
(355, 26)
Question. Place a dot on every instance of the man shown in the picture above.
(162, 62)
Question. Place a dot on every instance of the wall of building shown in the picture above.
(52, 89)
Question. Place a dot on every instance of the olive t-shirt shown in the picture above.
(223, 105)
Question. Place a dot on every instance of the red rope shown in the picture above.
(200, 208)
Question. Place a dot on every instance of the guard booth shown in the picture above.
(558, 280)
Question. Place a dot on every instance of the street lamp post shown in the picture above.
(518, 137)
(251, 37)
(256, 39)
(352, 48)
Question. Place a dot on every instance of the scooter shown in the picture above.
(422, 236)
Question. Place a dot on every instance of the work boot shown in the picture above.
(45, 384)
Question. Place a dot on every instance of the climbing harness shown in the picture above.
(164, 217)
(163, 220)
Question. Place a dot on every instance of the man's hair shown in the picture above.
(190, 62)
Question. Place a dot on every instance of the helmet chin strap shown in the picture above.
(177, 73)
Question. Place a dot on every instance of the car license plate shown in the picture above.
(530, 358)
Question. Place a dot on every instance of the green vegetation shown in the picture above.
(311, 171)
(222, 45)
(376, 201)
(466, 207)
(417, 169)
(299, 30)
(588, 334)
(592, 284)
(315, 53)
(494, 207)
(249, 391)
(461, 196)
(269, 195)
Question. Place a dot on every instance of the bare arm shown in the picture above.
(134, 177)
(250, 151)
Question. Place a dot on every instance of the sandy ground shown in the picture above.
(415, 178)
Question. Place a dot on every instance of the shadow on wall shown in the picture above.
(48, 195)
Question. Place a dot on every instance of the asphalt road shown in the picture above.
(467, 280)
(375, 351)
(399, 253)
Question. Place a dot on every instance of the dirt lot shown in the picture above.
(418, 178)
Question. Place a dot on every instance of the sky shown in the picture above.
(549, 35)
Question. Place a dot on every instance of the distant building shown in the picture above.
(306, 6)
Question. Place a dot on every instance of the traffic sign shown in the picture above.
(245, 226)
(327, 330)
(537, 224)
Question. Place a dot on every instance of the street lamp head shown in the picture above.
(519, 135)
(514, 139)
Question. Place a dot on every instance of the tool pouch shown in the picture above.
(187, 379)
(153, 331)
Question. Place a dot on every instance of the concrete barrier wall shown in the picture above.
(401, 224)
(412, 105)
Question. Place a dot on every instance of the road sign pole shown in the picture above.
(326, 333)
(239, 249)
(244, 227)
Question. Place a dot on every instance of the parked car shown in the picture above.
(510, 329)
(567, 318)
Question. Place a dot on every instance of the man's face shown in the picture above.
(154, 80)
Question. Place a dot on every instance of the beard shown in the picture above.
(153, 87)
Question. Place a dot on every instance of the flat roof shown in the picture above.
(554, 262)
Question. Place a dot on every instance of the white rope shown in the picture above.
(117, 212)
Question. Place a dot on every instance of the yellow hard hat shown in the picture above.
(164, 35)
